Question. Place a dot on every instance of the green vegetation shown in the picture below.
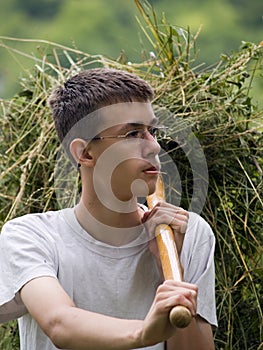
(215, 102)
(108, 28)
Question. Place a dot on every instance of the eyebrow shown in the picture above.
(154, 121)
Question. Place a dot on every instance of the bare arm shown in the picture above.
(72, 328)
(197, 336)
(69, 327)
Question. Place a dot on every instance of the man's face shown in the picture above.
(127, 166)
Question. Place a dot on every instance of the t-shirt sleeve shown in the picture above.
(197, 258)
(26, 252)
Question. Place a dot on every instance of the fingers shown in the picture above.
(172, 293)
(157, 326)
(169, 214)
(165, 213)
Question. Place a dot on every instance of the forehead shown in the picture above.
(127, 113)
(111, 116)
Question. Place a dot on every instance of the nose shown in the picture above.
(151, 146)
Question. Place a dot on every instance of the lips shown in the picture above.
(152, 170)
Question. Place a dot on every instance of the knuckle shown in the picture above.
(195, 288)
(158, 205)
(189, 294)
(180, 299)
(160, 289)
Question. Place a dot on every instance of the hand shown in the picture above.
(156, 326)
(165, 213)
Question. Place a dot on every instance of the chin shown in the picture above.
(152, 187)
(143, 187)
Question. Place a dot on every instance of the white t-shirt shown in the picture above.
(116, 281)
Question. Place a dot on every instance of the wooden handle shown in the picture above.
(179, 316)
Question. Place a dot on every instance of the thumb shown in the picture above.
(145, 216)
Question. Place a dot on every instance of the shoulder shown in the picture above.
(35, 223)
(197, 256)
(199, 235)
(199, 225)
(48, 217)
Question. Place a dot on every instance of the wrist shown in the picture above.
(136, 334)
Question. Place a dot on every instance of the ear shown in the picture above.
(80, 150)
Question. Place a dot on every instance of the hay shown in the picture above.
(214, 103)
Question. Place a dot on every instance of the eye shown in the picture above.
(158, 131)
(134, 134)
(153, 131)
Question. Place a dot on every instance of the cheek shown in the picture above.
(119, 152)
(127, 157)
(124, 176)
(126, 169)
(126, 181)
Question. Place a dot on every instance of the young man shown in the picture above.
(87, 277)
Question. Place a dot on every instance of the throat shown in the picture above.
(109, 227)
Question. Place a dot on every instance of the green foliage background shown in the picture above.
(109, 27)
(216, 102)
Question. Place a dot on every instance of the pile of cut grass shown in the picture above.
(214, 103)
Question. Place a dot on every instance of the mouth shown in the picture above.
(152, 170)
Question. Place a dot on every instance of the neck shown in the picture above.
(114, 227)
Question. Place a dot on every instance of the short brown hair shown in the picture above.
(93, 89)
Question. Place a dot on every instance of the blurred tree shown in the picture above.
(250, 15)
(41, 9)
(100, 27)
